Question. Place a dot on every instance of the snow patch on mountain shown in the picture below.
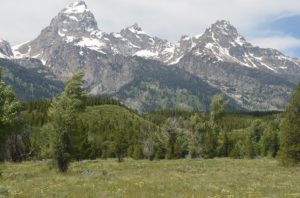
(73, 18)
(135, 29)
(76, 8)
(175, 61)
(146, 54)
(92, 43)
(3, 56)
(18, 54)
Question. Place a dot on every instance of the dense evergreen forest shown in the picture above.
(75, 126)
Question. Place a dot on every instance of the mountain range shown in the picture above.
(146, 72)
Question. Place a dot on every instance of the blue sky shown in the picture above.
(287, 27)
(267, 23)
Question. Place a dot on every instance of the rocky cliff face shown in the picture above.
(114, 63)
(5, 49)
(30, 83)
(223, 43)
(255, 78)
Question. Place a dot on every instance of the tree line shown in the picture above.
(73, 127)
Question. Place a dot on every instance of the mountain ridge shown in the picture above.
(220, 57)
(76, 24)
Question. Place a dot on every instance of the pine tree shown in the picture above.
(63, 115)
(290, 132)
(170, 131)
(218, 106)
(250, 151)
(81, 147)
(210, 143)
(213, 128)
(269, 142)
(120, 144)
(224, 151)
(196, 136)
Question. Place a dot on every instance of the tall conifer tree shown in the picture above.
(290, 132)
(63, 116)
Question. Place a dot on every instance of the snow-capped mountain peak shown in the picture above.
(135, 28)
(76, 25)
(222, 24)
(75, 19)
(225, 34)
(223, 43)
(76, 7)
(220, 57)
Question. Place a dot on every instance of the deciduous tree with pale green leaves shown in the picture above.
(218, 106)
(9, 108)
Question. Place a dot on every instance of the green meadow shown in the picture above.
(219, 177)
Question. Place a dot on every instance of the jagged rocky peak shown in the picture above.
(135, 28)
(76, 7)
(222, 24)
(225, 34)
(138, 38)
(74, 24)
(5, 49)
(186, 43)
(75, 19)
(134, 32)
(185, 38)
(222, 42)
(223, 27)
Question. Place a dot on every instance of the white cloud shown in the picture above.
(277, 42)
(22, 20)
(172, 18)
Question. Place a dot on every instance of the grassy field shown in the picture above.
(175, 178)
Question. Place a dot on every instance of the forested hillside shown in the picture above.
(30, 84)
(171, 134)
